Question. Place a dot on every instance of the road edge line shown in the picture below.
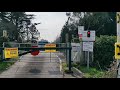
(60, 61)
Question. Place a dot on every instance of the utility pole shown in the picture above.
(67, 36)
(67, 41)
(88, 60)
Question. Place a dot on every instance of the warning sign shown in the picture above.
(50, 45)
(117, 50)
(118, 17)
(11, 52)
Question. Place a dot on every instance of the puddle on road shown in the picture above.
(35, 71)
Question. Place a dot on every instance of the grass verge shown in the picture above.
(64, 67)
(92, 72)
(5, 66)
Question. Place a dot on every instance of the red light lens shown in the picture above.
(88, 32)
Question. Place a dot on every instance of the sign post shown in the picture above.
(4, 33)
(80, 31)
(67, 45)
(88, 61)
(117, 48)
(88, 38)
(88, 46)
(50, 45)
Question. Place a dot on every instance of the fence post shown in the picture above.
(66, 53)
(70, 65)
(3, 51)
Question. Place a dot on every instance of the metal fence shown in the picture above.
(62, 50)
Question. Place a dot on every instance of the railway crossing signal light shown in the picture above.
(88, 34)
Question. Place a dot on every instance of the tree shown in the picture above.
(4, 16)
(104, 23)
(11, 21)
(70, 28)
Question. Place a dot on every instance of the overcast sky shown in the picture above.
(51, 23)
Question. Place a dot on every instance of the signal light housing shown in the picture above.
(88, 34)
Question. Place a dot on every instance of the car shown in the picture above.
(42, 43)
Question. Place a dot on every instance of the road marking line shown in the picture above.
(60, 61)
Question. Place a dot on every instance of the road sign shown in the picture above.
(35, 52)
(75, 47)
(118, 17)
(80, 30)
(117, 50)
(88, 46)
(11, 52)
(91, 38)
(50, 45)
(4, 33)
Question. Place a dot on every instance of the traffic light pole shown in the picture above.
(88, 61)
(88, 35)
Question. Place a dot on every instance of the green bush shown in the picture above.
(104, 51)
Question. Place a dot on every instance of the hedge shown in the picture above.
(104, 51)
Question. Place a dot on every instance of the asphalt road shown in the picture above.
(40, 66)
